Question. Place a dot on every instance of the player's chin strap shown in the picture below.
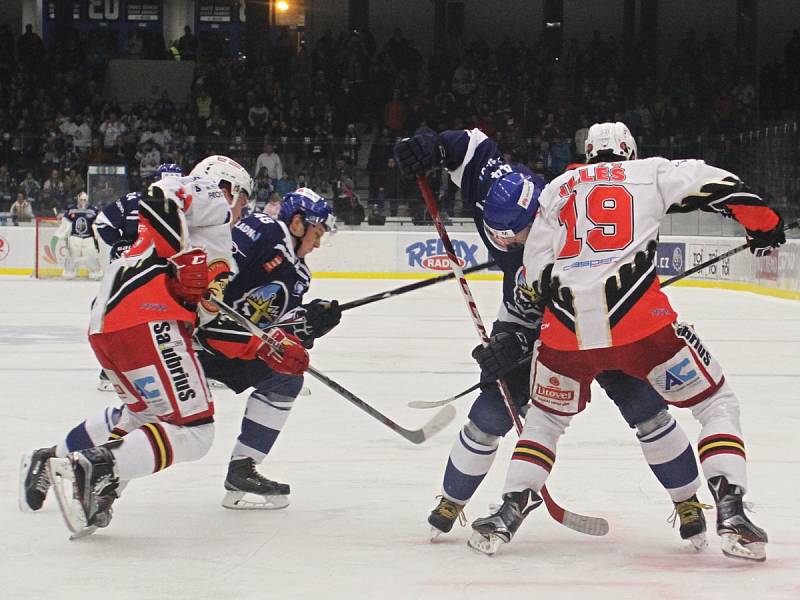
(712, 261)
(439, 421)
(581, 523)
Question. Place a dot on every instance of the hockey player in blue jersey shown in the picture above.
(118, 222)
(269, 287)
(81, 247)
(476, 165)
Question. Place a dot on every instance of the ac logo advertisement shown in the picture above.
(431, 255)
(670, 258)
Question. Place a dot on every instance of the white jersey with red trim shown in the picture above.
(598, 228)
(187, 212)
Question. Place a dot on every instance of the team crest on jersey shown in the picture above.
(219, 274)
(524, 295)
(81, 225)
(264, 305)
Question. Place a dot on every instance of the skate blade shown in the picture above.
(62, 479)
(24, 465)
(434, 534)
(240, 501)
(699, 542)
(485, 544)
(731, 548)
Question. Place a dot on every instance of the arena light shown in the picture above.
(282, 6)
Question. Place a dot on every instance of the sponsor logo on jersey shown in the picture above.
(583, 264)
(273, 264)
(173, 361)
(678, 376)
(553, 393)
(153, 306)
(4, 247)
(431, 255)
(687, 333)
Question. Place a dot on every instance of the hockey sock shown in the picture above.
(155, 446)
(264, 417)
(535, 453)
(91, 432)
(669, 455)
(721, 446)
(468, 463)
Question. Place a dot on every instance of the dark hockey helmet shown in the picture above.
(312, 206)
(511, 204)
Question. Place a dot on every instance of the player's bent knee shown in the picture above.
(477, 435)
(660, 419)
(722, 404)
(195, 442)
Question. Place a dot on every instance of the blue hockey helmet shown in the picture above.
(511, 204)
(312, 206)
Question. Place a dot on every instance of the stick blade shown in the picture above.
(439, 421)
(430, 403)
(588, 525)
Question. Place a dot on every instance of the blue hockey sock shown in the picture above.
(467, 465)
(670, 456)
(264, 417)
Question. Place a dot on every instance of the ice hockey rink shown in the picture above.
(361, 494)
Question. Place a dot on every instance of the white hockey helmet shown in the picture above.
(610, 138)
(223, 169)
(82, 199)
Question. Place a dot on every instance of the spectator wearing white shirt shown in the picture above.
(149, 158)
(81, 135)
(271, 162)
(111, 129)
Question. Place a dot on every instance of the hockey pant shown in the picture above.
(268, 405)
(664, 444)
(82, 251)
(678, 366)
(167, 416)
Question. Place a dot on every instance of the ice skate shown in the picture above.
(104, 383)
(689, 513)
(444, 516)
(499, 527)
(33, 479)
(243, 479)
(92, 476)
(741, 538)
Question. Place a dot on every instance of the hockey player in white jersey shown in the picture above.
(140, 330)
(590, 256)
(77, 227)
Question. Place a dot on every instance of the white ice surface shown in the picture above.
(357, 527)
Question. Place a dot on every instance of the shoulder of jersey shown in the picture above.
(265, 224)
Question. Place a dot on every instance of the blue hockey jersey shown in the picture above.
(118, 222)
(475, 162)
(81, 220)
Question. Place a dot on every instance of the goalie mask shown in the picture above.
(612, 140)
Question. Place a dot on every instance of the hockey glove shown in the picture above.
(762, 243)
(119, 248)
(317, 318)
(190, 277)
(503, 352)
(283, 353)
(420, 153)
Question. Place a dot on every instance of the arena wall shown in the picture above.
(419, 254)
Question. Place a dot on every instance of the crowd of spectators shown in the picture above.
(327, 116)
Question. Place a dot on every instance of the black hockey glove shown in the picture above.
(419, 153)
(119, 248)
(503, 352)
(320, 316)
(762, 243)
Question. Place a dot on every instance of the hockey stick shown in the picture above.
(583, 524)
(411, 287)
(711, 261)
(472, 388)
(416, 436)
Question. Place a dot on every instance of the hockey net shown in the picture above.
(50, 250)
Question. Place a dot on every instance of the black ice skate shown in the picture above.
(92, 474)
(741, 538)
(499, 527)
(689, 513)
(444, 516)
(33, 479)
(243, 479)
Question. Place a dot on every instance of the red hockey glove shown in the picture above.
(190, 279)
(762, 243)
(283, 353)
